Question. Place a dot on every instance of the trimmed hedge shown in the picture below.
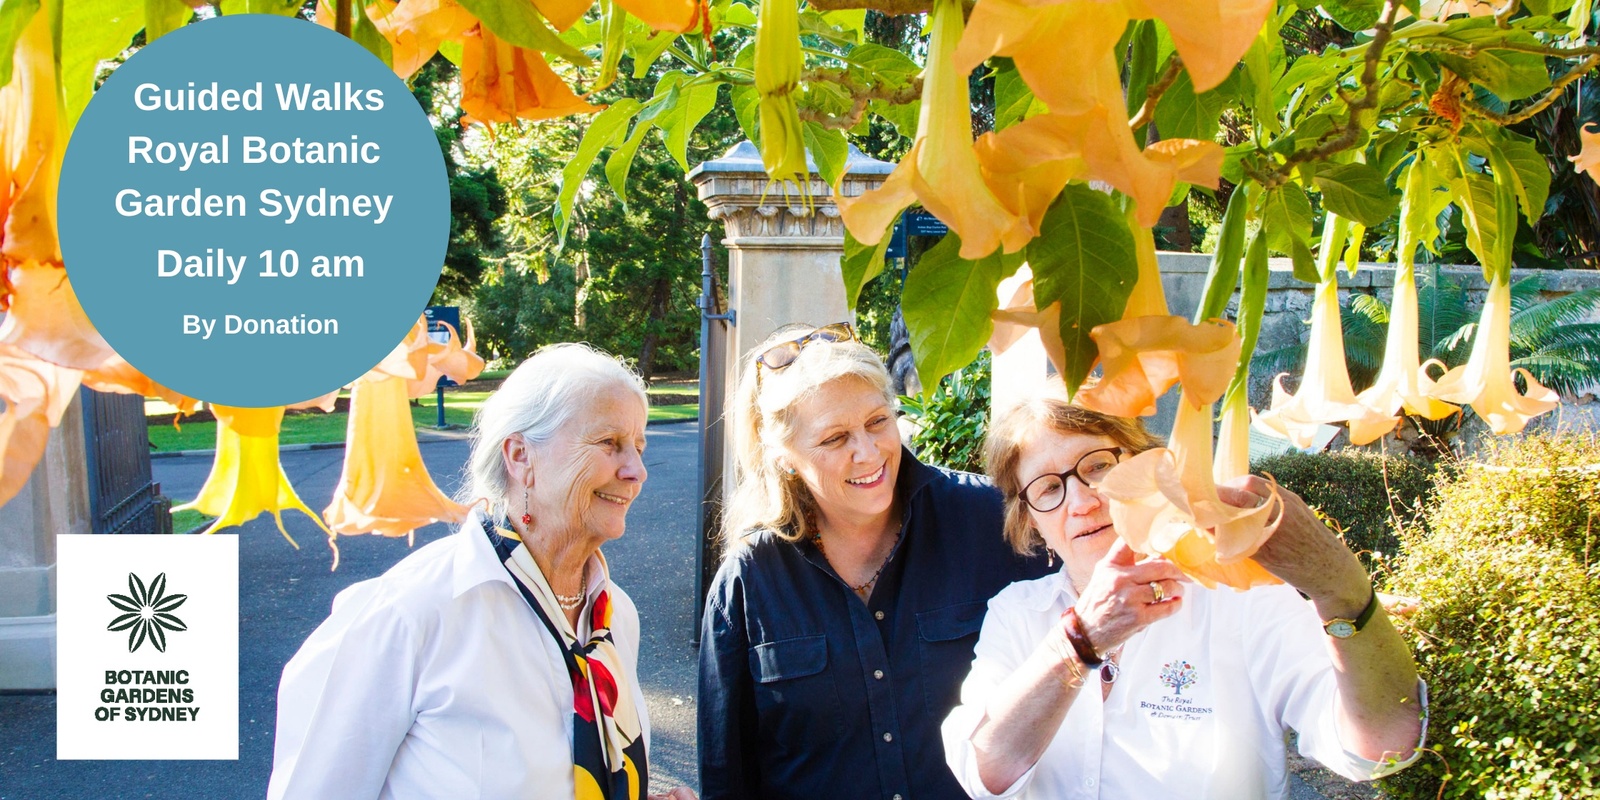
(1360, 494)
(1508, 632)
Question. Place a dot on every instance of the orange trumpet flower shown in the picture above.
(246, 478)
(1485, 381)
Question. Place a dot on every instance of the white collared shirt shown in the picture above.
(1198, 710)
(433, 681)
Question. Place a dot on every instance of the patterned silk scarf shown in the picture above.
(608, 753)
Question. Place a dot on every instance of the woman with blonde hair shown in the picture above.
(843, 617)
(1118, 677)
(500, 662)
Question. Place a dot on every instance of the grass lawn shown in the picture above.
(319, 428)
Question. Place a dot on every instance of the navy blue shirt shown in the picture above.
(806, 691)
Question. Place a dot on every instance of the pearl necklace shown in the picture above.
(571, 601)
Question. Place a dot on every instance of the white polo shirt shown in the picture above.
(1198, 711)
(435, 680)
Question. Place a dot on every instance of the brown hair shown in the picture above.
(1047, 409)
(766, 496)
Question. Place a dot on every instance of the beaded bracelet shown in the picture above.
(1073, 627)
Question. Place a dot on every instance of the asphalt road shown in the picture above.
(285, 593)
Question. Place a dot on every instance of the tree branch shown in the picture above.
(1543, 103)
(1147, 111)
(1342, 138)
(1502, 17)
(342, 17)
(860, 96)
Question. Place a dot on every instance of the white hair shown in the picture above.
(546, 392)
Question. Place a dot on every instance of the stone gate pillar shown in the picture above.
(783, 251)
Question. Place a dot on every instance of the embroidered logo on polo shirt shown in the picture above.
(1177, 675)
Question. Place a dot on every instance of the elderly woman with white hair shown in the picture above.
(844, 616)
(499, 662)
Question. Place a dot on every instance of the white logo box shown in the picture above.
(176, 695)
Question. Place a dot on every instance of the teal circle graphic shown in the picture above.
(253, 210)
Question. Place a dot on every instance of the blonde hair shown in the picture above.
(1048, 409)
(538, 398)
(766, 496)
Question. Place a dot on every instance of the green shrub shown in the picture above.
(950, 425)
(1360, 494)
(1508, 631)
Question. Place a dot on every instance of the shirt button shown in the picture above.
(877, 673)
(877, 614)
(897, 797)
(1088, 783)
(888, 737)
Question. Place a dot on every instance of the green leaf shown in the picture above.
(741, 15)
(1224, 273)
(281, 8)
(1286, 219)
(162, 17)
(861, 263)
(647, 52)
(1518, 159)
(14, 18)
(518, 22)
(903, 117)
(1476, 195)
(1258, 69)
(1355, 191)
(692, 102)
(366, 34)
(621, 161)
(100, 30)
(828, 149)
(1012, 97)
(745, 101)
(1143, 45)
(816, 24)
(1353, 15)
(604, 131)
(848, 19)
(947, 301)
(1252, 306)
(1181, 114)
(1084, 259)
(1510, 75)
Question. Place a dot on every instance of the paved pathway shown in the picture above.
(285, 593)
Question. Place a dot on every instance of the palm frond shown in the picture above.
(1559, 372)
(1442, 307)
(1370, 307)
(1526, 293)
(1364, 323)
(1532, 323)
(1269, 363)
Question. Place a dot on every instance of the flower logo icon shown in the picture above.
(148, 612)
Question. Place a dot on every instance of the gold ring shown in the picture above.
(1155, 589)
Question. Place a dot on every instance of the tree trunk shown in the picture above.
(660, 293)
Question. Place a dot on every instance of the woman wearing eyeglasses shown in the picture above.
(1119, 678)
(843, 617)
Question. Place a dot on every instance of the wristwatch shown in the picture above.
(1340, 628)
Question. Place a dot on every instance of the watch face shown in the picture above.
(1341, 629)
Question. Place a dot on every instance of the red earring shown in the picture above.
(527, 518)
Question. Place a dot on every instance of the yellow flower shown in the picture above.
(385, 488)
(1589, 157)
(1402, 384)
(1485, 381)
(1210, 35)
(501, 82)
(779, 61)
(1325, 395)
(31, 144)
(246, 478)
(1165, 502)
(35, 394)
(941, 170)
(450, 359)
(416, 28)
(1017, 314)
(1147, 351)
(1233, 438)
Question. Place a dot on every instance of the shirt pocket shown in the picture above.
(946, 638)
(796, 699)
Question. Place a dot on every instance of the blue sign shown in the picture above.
(920, 223)
(897, 241)
(438, 318)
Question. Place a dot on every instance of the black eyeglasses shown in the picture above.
(784, 353)
(1047, 492)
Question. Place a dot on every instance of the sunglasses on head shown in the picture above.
(784, 353)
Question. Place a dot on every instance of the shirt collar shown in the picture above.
(914, 475)
(475, 561)
(1056, 586)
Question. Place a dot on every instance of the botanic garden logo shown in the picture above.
(146, 612)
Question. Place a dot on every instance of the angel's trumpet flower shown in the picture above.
(449, 359)
(385, 488)
(1589, 157)
(1402, 384)
(416, 28)
(1233, 437)
(1210, 35)
(246, 478)
(1165, 502)
(1325, 395)
(32, 140)
(779, 61)
(1147, 351)
(34, 394)
(1047, 41)
(501, 82)
(1485, 381)
(941, 170)
(1018, 312)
